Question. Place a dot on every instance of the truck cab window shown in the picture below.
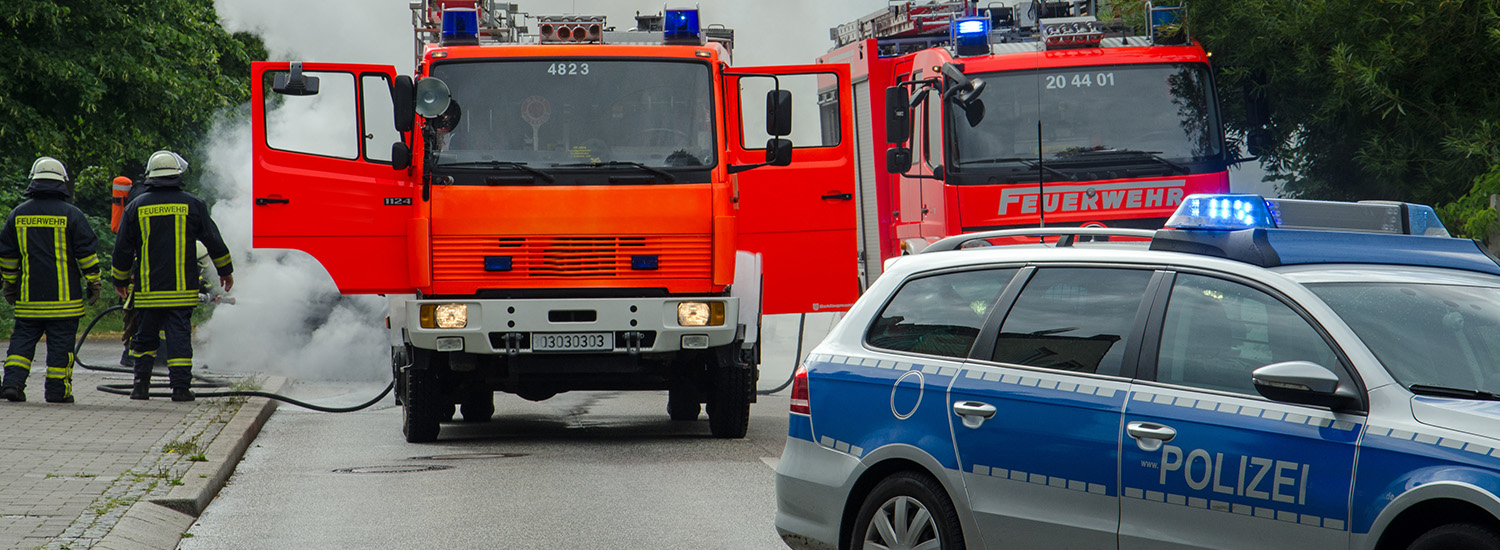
(322, 124)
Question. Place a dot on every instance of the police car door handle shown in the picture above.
(974, 413)
(1147, 430)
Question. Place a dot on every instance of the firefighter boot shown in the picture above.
(182, 394)
(13, 393)
(14, 383)
(57, 391)
(141, 391)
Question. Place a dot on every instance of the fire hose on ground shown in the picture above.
(206, 382)
(202, 381)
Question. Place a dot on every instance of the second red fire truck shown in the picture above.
(1021, 114)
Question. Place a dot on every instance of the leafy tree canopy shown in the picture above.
(100, 84)
(1367, 99)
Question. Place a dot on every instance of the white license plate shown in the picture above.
(573, 341)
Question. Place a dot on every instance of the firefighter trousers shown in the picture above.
(177, 349)
(61, 334)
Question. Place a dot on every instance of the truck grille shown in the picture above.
(563, 257)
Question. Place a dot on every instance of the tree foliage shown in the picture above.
(100, 84)
(1368, 99)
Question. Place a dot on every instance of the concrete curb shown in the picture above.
(160, 523)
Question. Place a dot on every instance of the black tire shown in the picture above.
(683, 405)
(423, 403)
(1457, 536)
(729, 404)
(478, 406)
(899, 498)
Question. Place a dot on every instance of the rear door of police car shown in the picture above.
(1206, 462)
(1036, 412)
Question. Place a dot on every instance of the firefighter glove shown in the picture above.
(12, 293)
(95, 288)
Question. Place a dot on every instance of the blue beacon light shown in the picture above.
(1222, 212)
(460, 26)
(681, 27)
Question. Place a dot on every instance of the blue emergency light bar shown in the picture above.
(460, 26)
(1274, 232)
(681, 27)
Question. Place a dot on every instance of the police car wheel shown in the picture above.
(420, 412)
(1458, 536)
(907, 510)
(478, 406)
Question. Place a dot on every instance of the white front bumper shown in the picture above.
(655, 316)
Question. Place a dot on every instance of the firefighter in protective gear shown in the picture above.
(160, 229)
(48, 263)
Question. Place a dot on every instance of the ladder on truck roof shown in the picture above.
(929, 21)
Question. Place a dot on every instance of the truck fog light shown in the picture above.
(695, 341)
(445, 315)
(700, 314)
(450, 343)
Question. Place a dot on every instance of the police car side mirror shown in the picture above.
(1303, 382)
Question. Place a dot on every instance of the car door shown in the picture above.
(1206, 462)
(799, 218)
(1036, 410)
(323, 177)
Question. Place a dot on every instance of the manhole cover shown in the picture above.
(468, 456)
(392, 469)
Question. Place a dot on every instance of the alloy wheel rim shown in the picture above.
(902, 523)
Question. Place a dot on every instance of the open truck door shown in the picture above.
(799, 216)
(327, 178)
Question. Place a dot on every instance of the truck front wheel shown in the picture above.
(729, 404)
(422, 403)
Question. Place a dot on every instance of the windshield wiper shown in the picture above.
(1151, 155)
(1029, 163)
(657, 171)
(1441, 391)
(499, 164)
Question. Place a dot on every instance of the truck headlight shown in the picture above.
(700, 314)
(445, 315)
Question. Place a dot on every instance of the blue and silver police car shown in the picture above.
(1241, 379)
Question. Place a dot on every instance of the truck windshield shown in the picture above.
(1162, 115)
(1426, 335)
(578, 112)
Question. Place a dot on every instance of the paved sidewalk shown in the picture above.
(70, 473)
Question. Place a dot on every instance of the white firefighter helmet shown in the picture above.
(165, 163)
(48, 168)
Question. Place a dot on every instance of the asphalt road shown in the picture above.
(581, 470)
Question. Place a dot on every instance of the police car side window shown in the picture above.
(939, 315)
(1073, 319)
(1216, 332)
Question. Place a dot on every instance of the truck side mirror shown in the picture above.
(897, 113)
(778, 113)
(294, 82)
(778, 152)
(402, 99)
(897, 160)
(400, 156)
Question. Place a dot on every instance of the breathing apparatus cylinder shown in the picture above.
(117, 202)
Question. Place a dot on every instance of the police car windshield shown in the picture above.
(1117, 115)
(1426, 335)
(578, 112)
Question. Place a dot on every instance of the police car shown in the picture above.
(1240, 379)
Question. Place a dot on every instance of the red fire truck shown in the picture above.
(1022, 114)
(574, 208)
